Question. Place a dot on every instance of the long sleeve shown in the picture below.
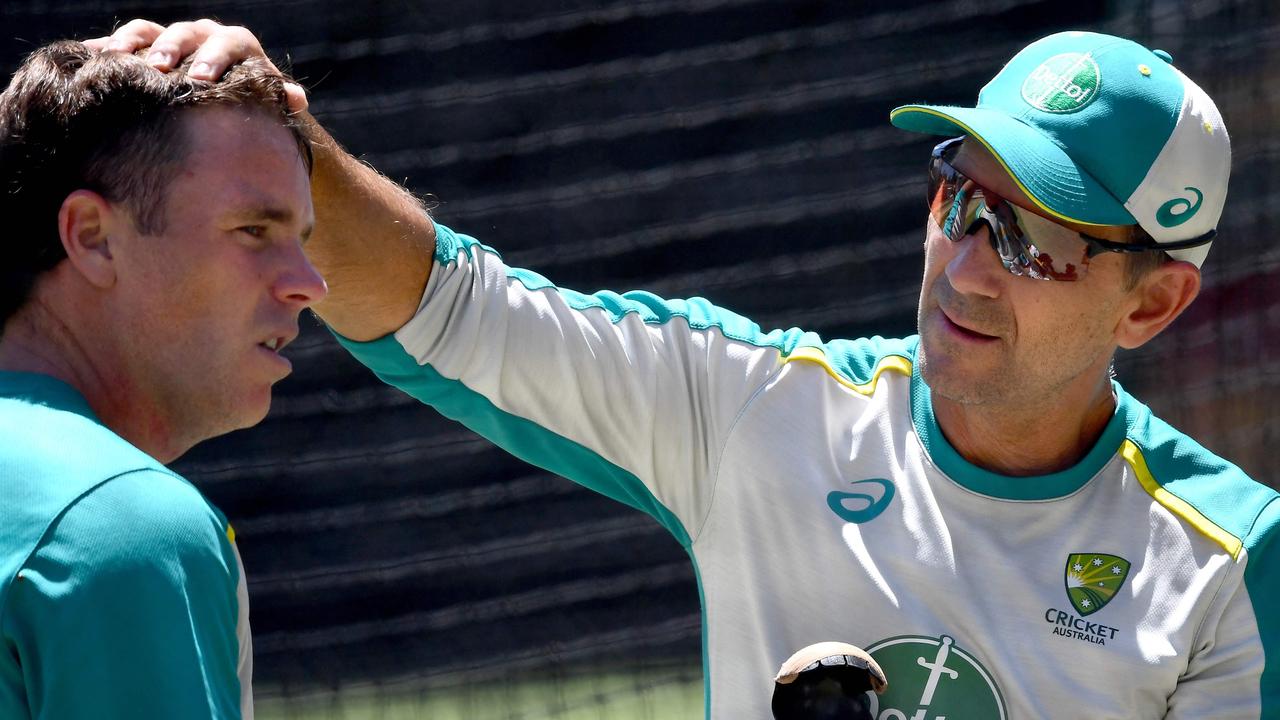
(629, 394)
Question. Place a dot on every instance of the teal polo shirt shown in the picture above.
(118, 579)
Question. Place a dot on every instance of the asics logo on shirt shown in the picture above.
(862, 507)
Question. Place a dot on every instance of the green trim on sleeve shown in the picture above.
(858, 360)
(1224, 500)
(448, 244)
(1217, 489)
(699, 313)
(522, 438)
(702, 612)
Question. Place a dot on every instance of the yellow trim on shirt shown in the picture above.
(231, 534)
(892, 363)
(1176, 505)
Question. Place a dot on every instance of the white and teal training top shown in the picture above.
(121, 592)
(819, 501)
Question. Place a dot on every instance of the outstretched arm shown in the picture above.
(630, 394)
(373, 241)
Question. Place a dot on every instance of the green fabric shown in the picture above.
(857, 360)
(1137, 111)
(698, 312)
(1262, 579)
(1083, 160)
(520, 437)
(118, 593)
(1228, 498)
(702, 615)
(1219, 490)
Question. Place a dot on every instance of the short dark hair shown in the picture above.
(74, 118)
(1138, 264)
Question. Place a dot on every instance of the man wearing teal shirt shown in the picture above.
(153, 270)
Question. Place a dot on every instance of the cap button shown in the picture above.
(1163, 56)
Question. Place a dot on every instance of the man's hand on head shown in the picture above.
(213, 48)
(373, 241)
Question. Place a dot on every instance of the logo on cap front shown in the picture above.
(1062, 84)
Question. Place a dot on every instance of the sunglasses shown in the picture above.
(1027, 243)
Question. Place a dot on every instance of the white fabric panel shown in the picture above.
(1198, 154)
(655, 400)
(244, 666)
(751, 455)
(944, 561)
(1221, 678)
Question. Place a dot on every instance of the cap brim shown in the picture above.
(1041, 168)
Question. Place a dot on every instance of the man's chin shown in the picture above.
(954, 376)
(250, 410)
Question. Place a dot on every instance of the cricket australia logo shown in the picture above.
(1062, 84)
(931, 679)
(1092, 580)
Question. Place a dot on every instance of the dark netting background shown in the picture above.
(738, 149)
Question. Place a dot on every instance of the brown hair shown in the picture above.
(74, 118)
(1138, 264)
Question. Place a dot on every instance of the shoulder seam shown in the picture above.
(892, 362)
(618, 317)
(1253, 524)
(724, 445)
(1184, 510)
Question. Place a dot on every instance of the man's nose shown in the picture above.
(975, 267)
(299, 283)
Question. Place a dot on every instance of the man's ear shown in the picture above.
(85, 223)
(1159, 299)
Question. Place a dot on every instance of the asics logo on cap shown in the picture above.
(1178, 210)
(1063, 83)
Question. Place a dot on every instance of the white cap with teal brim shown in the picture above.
(1099, 130)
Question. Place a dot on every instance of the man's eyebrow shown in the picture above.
(272, 213)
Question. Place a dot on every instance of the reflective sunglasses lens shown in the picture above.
(1027, 243)
(945, 183)
(1047, 250)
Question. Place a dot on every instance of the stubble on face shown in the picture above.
(963, 374)
(1028, 344)
(199, 298)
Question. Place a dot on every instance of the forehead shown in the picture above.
(235, 156)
